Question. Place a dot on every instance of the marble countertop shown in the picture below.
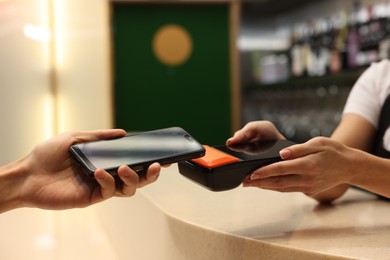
(355, 226)
(175, 219)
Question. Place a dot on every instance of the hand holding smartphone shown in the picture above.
(138, 151)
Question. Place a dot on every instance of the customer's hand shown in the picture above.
(52, 180)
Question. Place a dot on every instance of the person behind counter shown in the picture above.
(357, 153)
(46, 178)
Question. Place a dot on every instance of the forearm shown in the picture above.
(11, 178)
(373, 174)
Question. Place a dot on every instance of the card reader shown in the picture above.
(224, 168)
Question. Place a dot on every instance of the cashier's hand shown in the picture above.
(52, 180)
(255, 131)
(311, 167)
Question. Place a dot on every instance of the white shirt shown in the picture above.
(369, 94)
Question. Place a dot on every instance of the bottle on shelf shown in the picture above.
(338, 46)
(353, 37)
(297, 52)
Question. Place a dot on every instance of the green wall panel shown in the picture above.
(194, 95)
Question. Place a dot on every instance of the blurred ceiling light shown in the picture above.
(36, 33)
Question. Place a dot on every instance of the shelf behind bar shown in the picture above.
(343, 78)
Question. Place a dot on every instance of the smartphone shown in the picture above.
(138, 151)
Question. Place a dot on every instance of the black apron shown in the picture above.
(383, 126)
(384, 123)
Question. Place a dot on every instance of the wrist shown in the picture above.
(372, 174)
(12, 177)
(360, 162)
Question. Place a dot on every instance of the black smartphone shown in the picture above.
(138, 151)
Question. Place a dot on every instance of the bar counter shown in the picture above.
(190, 222)
(177, 219)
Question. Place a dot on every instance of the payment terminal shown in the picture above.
(224, 168)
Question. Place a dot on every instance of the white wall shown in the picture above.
(24, 74)
(80, 60)
(83, 64)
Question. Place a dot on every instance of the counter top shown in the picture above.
(247, 223)
(177, 219)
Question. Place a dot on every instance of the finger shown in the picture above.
(288, 183)
(151, 175)
(256, 131)
(130, 181)
(103, 134)
(246, 134)
(300, 150)
(299, 165)
(108, 133)
(106, 182)
(286, 189)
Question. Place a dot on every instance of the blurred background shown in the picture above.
(299, 60)
(69, 65)
(209, 66)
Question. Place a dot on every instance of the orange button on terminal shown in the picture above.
(214, 158)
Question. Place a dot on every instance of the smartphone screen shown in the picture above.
(139, 150)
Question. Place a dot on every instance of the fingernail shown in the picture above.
(285, 154)
(126, 174)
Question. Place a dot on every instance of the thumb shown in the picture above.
(96, 135)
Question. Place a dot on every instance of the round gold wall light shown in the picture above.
(172, 45)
